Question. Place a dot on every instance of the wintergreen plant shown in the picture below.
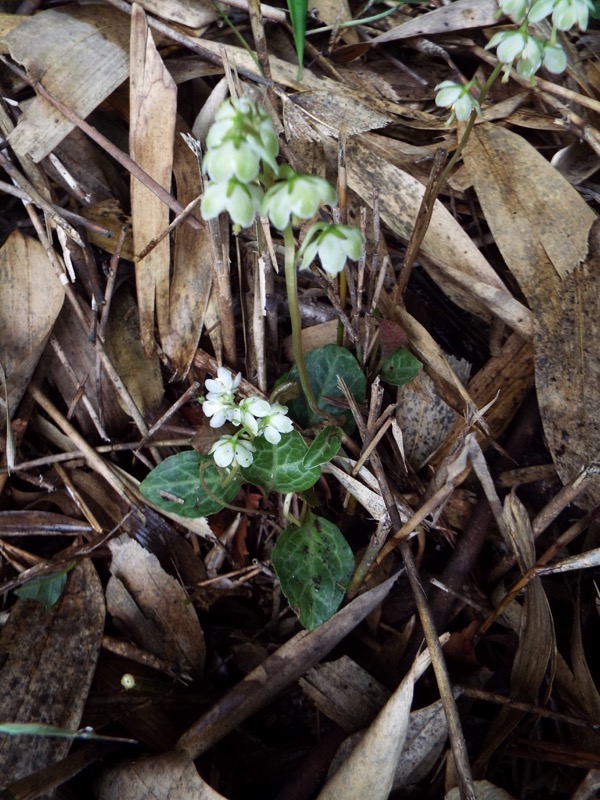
(529, 51)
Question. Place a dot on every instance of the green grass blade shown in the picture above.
(298, 11)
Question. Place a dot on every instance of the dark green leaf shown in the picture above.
(176, 485)
(46, 590)
(279, 467)
(400, 368)
(324, 447)
(314, 564)
(324, 366)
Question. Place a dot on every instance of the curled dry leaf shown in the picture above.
(561, 281)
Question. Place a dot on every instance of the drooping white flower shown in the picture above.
(568, 13)
(333, 244)
(515, 8)
(458, 98)
(530, 59)
(240, 200)
(248, 132)
(297, 196)
(275, 423)
(232, 160)
(229, 449)
(540, 10)
(555, 58)
(520, 45)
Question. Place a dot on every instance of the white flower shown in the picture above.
(518, 45)
(240, 200)
(224, 383)
(567, 13)
(247, 412)
(458, 98)
(220, 397)
(531, 57)
(555, 58)
(296, 196)
(248, 132)
(333, 243)
(275, 423)
(232, 160)
(540, 10)
(218, 410)
(230, 449)
(515, 8)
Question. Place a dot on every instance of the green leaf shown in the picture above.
(279, 467)
(324, 366)
(400, 368)
(183, 484)
(41, 729)
(324, 447)
(314, 564)
(46, 590)
(298, 11)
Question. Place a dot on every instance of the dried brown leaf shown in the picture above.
(30, 301)
(48, 662)
(80, 55)
(345, 692)
(462, 271)
(536, 633)
(141, 375)
(171, 776)
(453, 17)
(191, 13)
(369, 770)
(153, 606)
(541, 225)
(153, 106)
(192, 269)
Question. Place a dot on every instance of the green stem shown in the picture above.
(291, 285)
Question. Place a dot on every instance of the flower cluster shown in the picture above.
(243, 138)
(530, 52)
(565, 13)
(253, 416)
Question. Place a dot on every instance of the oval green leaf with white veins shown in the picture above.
(279, 467)
(314, 564)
